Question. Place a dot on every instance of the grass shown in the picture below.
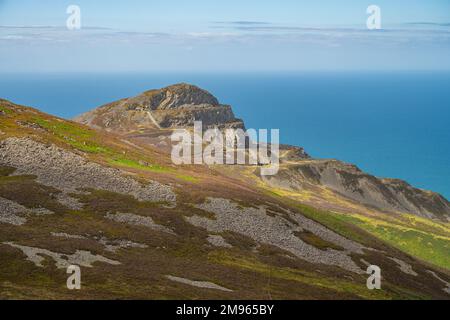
(73, 134)
(426, 240)
(302, 276)
(128, 163)
(334, 222)
(133, 164)
(423, 245)
(311, 239)
(64, 128)
(5, 110)
(6, 171)
(187, 178)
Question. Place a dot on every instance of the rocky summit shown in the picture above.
(171, 107)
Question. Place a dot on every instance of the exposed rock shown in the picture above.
(80, 257)
(9, 211)
(42, 211)
(110, 245)
(66, 235)
(69, 202)
(114, 245)
(199, 284)
(136, 220)
(69, 172)
(405, 267)
(292, 153)
(171, 107)
(277, 231)
(218, 241)
(13, 213)
(447, 284)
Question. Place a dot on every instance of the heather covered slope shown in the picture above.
(141, 227)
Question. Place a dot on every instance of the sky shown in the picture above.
(232, 35)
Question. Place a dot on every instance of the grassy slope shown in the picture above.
(266, 273)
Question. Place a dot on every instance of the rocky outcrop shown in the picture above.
(292, 153)
(69, 172)
(171, 107)
(275, 229)
(349, 181)
(80, 257)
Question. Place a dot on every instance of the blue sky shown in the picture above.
(205, 35)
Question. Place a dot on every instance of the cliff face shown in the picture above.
(171, 107)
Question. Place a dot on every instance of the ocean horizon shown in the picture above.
(390, 124)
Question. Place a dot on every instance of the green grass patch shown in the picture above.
(423, 245)
(5, 110)
(73, 134)
(90, 147)
(187, 178)
(133, 164)
(136, 165)
(321, 244)
(335, 222)
(64, 128)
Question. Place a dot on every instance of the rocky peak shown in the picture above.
(174, 106)
(176, 96)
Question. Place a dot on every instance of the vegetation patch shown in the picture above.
(233, 260)
(311, 239)
(123, 162)
(27, 192)
(5, 110)
(6, 171)
(73, 134)
(141, 165)
(334, 222)
(426, 246)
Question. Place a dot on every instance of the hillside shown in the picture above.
(177, 106)
(140, 227)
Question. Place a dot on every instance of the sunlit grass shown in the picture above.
(5, 110)
(302, 276)
(424, 245)
(123, 162)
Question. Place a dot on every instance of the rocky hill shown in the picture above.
(140, 227)
(171, 107)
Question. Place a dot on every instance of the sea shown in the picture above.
(390, 124)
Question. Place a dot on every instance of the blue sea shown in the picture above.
(389, 124)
